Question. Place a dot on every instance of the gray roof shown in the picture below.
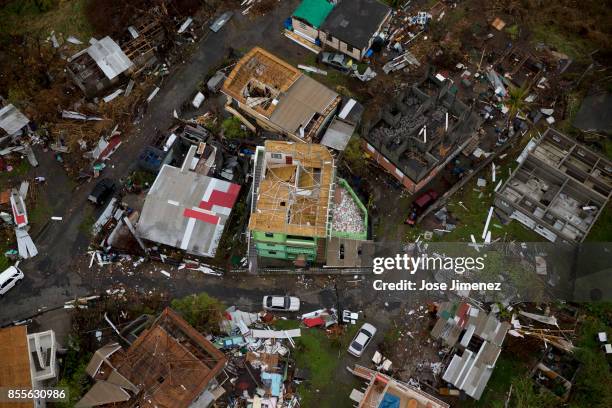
(594, 113)
(109, 57)
(338, 134)
(355, 22)
(305, 98)
(187, 210)
(12, 120)
(471, 371)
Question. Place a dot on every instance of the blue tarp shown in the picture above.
(389, 401)
(273, 381)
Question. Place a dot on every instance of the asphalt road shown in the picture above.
(57, 273)
(52, 277)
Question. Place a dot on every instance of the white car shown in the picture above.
(362, 339)
(9, 278)
(281, 303)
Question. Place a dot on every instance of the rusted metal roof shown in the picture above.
(15, 362)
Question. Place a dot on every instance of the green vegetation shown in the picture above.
(234, 129)
(88, 221)
(513, 31)
(142, 178)
(510, 372)
(516, 101)
(232, 241)
(601, 231)
(471, 218)
(73, 376)
(41, 213)
(592, 386)
(321, 354)
(19, 170)
(40, 17)
(4, 262)
(202, 311)
(353, 155)
(575, 46)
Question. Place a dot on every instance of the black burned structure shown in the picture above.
(420, 131)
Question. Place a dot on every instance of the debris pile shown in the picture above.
(347, 215)
(260, 369)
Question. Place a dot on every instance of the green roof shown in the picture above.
(313, 11)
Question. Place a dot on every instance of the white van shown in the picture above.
(9, 278)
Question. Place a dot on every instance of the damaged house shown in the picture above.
(559, 189)
(384, 391)
(13, 123)
(106, 63)
(28, 362)
(169, 365)
(186, 209)
(279, 97)
(422, 130)
(348, 26)
(477, 338)
(99, 66)
(300, 210)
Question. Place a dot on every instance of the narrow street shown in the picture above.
(52, 276)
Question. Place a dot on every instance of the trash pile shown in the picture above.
(260, 369)
(347, 215)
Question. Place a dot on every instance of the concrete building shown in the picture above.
(279, 97)
(185, 209)
(559, 189)
(477, 337)
(294, 199)
(419, 132)
(169, 365)
(28, 362)
(347, 26)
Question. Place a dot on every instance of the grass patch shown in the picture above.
(88, 221)
(234, 129)
(471, 221)
(66, 17)
(142, 178)
(601, 231)
(4, 262)
(513, 31)
(18, 171)
(575, 46)
(41, 213)
(321, 354)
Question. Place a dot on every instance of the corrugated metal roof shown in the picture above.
(109, 57)
(301, 102)
(187, 210)
(12, 120)
(338, 134)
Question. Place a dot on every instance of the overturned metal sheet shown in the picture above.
(12, 120)
(109, 57)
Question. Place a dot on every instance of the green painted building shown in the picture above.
(295, 203)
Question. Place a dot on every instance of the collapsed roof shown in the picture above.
(294, 189)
